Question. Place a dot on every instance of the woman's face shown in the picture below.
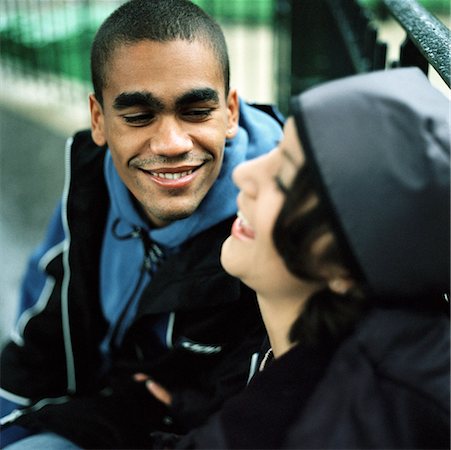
(249, 252)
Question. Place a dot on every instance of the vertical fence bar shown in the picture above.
(330, 39)
(282, 30)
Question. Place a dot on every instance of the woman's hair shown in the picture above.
(327, 317)
(155, 20)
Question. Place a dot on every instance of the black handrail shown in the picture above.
(429, 35)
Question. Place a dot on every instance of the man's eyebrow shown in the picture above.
(197, 95)
(128, 99)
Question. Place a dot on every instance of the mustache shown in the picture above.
(156, 160)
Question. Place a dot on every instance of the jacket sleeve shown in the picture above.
(26, 352)
(36, 276)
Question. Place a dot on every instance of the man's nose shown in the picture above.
(169, 138)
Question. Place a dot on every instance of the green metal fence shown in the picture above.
(50, 37)
(249, 12)
(54, 36)
(50, 40)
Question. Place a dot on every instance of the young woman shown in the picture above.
(343, 232)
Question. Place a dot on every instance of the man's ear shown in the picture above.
(97, 121)
(233, 112)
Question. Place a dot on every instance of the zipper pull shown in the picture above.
(153, 255)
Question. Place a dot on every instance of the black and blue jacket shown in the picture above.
(105, 297)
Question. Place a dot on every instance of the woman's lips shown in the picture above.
(241, 228)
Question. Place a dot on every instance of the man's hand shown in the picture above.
(159, 392)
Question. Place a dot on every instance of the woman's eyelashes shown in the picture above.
(280, 184)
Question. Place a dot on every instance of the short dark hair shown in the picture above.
(155, 20)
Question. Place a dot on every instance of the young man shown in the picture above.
(128, 278)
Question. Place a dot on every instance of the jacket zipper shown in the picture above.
(152, 258)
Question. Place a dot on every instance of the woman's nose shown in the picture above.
(244, 176)
(251, 175)
(169, 138)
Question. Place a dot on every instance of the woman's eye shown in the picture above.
(138, 119)
(280, 185)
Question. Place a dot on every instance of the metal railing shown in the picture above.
(329, 39)
(428, 40)
(334, 38)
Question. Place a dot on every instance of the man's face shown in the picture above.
(165, 118)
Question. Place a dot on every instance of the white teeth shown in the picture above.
(171, 175)
(243, 219)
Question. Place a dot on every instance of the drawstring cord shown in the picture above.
(153, 257)
(153, 254)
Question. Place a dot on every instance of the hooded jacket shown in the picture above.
(386, 183)
(379, 148)
(105, 297)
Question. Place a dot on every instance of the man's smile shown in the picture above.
(173, 177)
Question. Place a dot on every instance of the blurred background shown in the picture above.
(277, 47)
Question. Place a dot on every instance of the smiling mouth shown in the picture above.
(173, 178)
(242, 229)
(172, 175)
(242, 220)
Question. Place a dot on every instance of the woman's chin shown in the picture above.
(230, 260)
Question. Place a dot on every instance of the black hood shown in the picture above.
(380, 146)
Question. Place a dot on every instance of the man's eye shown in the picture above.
(197, 114)
(138, 119)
